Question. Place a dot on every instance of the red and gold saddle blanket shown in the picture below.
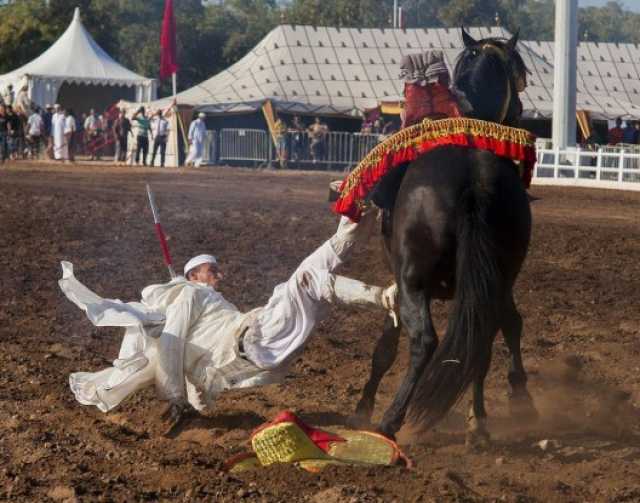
(412, 142)
(287, 439)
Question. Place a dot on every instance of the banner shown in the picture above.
(168, 57)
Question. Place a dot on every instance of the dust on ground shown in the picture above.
(578, 294)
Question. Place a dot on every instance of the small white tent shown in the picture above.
(77, 72)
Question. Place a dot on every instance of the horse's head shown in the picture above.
(491, 73)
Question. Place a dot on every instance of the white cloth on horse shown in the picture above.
(201, 335)
(197, 132)
(60, 150)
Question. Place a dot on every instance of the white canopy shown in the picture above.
(328, 70)
(76, 59)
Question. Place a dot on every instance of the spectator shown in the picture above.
(280, 134)
(59, 145)
(365, 128)
(121, 131)
(46, 119)
(616, 133)
(197, 132)
(318, 132)
(70, 128)
(160, 132)
(142, 128)
(14, 128)
(4, 129)
(8, 96)
(81, 136)
(23, 103)
(102, 126)
(630, 133)
(91, 133)
(297, 143)
(35, 133)
(106, 127)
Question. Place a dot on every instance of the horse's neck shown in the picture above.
(496, 112)
(514, 112)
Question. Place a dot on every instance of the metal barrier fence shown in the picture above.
(245, 145)
(336, 150)
(616, 167)
(605, 166)
(210, 147)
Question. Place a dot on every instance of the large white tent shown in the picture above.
(327, 70)
(77, 72)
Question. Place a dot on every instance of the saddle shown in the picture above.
(390, 158)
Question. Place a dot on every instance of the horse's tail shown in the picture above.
(466, 348)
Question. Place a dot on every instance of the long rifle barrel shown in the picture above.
(160, 233)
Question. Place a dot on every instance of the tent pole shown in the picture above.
(174, 83)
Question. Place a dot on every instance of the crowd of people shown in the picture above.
(30, 132)
(629, 135)
(295, 141)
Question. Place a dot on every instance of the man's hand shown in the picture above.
(175, 416)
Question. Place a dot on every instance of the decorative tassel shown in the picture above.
(410, 143)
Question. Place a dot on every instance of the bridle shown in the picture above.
(515, 68)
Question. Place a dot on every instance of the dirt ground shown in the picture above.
(579, 295)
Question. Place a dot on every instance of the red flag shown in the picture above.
(168, 59)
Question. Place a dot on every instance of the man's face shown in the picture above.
(209, 274)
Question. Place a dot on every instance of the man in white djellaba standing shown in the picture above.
(194, 344)
(58, 123)
(197, 131)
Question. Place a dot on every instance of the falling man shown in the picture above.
(185, 337)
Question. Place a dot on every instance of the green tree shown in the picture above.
(213, 37)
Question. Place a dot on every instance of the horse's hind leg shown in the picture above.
(520, 402)
(383, 357)
(477, 433)
(416, 317)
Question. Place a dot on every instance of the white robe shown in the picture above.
(185, 332)
(60, 148)
(197, 133)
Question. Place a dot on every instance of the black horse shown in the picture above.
(458, 226)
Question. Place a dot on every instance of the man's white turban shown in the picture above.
(197, 261)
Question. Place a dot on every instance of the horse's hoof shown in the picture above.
(478, 440)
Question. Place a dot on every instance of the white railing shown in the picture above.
(607, 167)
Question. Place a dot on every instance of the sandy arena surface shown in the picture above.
(579, 294)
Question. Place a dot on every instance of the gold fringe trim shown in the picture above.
(429, 130)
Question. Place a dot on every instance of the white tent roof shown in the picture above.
(76, 58)
(307, 69)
